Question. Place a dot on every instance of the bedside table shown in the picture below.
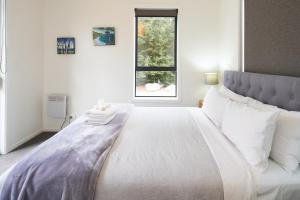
(200, 103)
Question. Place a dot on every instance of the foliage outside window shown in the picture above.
(156, 56)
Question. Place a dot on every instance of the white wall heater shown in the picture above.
(57, 106)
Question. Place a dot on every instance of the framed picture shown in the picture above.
(103, 36)
(65, 45)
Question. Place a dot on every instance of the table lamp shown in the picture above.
(211, 78)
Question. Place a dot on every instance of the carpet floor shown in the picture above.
(6, 161)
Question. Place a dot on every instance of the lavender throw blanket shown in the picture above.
(66, 166)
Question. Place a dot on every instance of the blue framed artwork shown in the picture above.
(66, 45)
(103, 36)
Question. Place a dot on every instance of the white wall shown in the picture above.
(230, 35)
(107, 72)
(24, 77)
(208, 40)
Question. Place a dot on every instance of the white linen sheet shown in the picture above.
(235, 172)
(277, 184)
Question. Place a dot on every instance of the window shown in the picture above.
(156, 53)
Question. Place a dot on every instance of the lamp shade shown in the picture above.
(211, 78)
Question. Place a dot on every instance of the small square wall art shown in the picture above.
(66, 45)
(103, 36)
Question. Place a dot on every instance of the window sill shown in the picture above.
(155, 100)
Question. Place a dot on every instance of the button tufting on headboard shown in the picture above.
(281, 91)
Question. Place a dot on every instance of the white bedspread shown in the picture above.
(157, 157)
(144, 161)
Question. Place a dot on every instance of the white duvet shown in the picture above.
(144, 162)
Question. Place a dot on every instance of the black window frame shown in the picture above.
(156, 13)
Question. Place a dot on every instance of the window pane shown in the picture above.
(156, 83)
(156, 40)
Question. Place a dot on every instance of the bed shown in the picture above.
(178, 153)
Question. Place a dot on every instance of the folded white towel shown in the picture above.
(106, 112)
(97, 122)
(99, 118)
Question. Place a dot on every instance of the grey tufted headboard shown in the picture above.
(281, 91)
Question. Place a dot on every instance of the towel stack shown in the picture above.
(101, 114)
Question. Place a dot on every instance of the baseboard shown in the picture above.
(24, 140)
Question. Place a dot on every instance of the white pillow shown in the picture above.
(260, 105)
(251, 130)
(255, 103)
(286, 145)
(232, 95)
(214, 105)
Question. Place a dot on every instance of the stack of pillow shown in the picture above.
(258, 130)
